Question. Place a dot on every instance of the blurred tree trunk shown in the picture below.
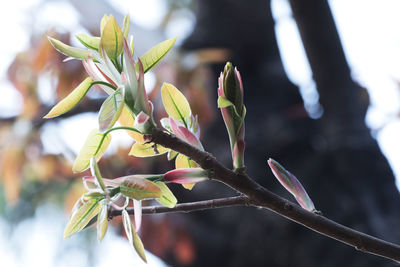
(335, 157)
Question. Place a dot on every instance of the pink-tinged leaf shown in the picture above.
(129, 66)
(138, 188)
(137, 205)
(96, 75)
(108, 67)
(220, 86)
(131, 86)
(181, 132)
(187, 176)
(142, 118)
(290, 182)
(240, 79)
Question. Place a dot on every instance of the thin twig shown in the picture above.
(189, 207)
(261, 197)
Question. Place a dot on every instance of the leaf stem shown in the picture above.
(113, 129)
(104, 83)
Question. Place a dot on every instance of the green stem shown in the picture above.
(104, 83)
(113, 129)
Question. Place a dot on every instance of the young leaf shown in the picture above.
(126, 119)
(125, 28)
(112, 38)
(102, 221)
(133, 237)
(131, 85)
(184, 134)
(138, 245)
(290, 182)
(71, 100)
(223, 102)
(171, 155)
(69, 50)
(155, 54)
(103, 22)
(182, 162)
(95, 146)
(110, 110)
(147, 150)
(167, 198)
(139, 188)
(175, 103)
(82, 217)
(89, 41)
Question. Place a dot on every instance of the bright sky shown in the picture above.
(370, 36)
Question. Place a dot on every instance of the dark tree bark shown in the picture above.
(335, 157)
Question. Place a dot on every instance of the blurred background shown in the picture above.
(322, 90)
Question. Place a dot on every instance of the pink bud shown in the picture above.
(290, 182)
(187, 176)
(230, 101)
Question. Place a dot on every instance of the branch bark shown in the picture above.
(261, 197)
(189, 207)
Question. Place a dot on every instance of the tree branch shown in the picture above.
(261, 197)
(189, 207)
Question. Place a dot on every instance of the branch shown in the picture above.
(261, 197)
(189, 207)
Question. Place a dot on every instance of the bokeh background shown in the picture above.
(37, 186)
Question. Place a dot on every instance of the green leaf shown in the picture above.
(146, 150)
(223, 102)
(94, 146)
(68, 50)
(125, 28)
(82, 217)
(102, 221)
(89, 41)
(167, 199)
(171, 154)
(175, 103)
(139, 188)
(112, 38)
(71, 100)
(155, 54)
(110, 110)
(133, 237)
(126, 119)
(183, 162)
